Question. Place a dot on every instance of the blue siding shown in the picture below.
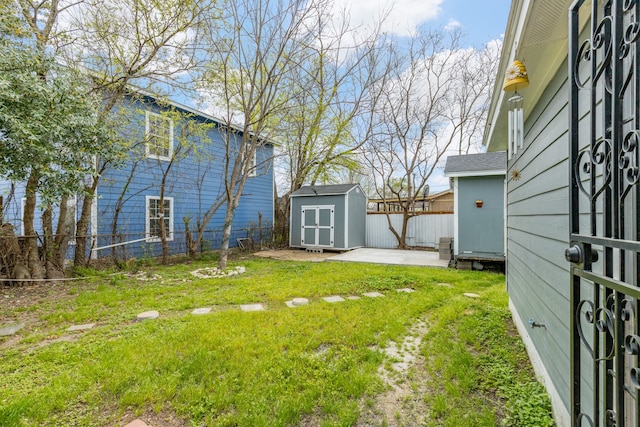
(194, 183)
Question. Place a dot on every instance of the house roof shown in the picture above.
(324, 190)
(494, 163)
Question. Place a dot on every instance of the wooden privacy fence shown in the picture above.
(423, 230)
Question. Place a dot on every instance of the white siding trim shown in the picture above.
(456, 209)
(477, 173)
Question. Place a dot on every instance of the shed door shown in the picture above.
(317, 225)
(604, 150)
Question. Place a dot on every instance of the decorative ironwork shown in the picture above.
(604, 134)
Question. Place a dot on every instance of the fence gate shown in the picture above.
(605, 169)
(317, 226)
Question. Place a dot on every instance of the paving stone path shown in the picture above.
(293, 303)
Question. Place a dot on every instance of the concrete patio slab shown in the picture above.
(392, 256)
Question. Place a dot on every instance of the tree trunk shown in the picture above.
(82, 228)
(31, 241)
(226, 235)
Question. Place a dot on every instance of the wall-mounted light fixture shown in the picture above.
(515, 78)
(479, 203)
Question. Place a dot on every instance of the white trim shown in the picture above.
(147, 222)
(346, 220)
(456, 209)
(147, 150)
(560, 412)
(476, 173)
(317, 226)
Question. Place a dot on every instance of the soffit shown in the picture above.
(537, 35)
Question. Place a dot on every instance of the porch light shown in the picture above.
(515, 78)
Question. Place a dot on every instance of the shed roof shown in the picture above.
(324, 190)
(494, 163)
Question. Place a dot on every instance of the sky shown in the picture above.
(480, 21)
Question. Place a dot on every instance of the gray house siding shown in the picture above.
(538, 232)
(481, 230)
(357, 229)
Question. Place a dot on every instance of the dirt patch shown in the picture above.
(294, 255)
(406, 378)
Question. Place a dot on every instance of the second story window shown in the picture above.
(159, 136)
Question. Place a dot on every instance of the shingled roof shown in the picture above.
(494, 163)
(324, 190)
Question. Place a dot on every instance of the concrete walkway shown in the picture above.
(392, 256)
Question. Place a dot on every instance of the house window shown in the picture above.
(158, 213)
(253, 163)
(159, 136)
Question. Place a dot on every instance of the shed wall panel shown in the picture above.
(481, 230)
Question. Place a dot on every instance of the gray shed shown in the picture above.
(328, 217)
(479, 205)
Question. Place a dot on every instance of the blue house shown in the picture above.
(173, 173)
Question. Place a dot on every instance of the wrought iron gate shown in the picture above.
(604, 135)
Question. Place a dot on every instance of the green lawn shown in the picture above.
(310, 365)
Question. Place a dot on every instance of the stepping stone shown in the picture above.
(10, 330)
(81, 327)
(334, 298)
(471, 295)
(148, 315)
(297, 302)
(407, 290)
(252, 307)
(203, 310)
(353, 297)
(137, 423)
(373, 294)
(445, 285)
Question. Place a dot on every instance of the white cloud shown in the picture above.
(452, 25)
(404, 16)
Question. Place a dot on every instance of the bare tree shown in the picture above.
(433, 102)
(265, 41)
(329, 95)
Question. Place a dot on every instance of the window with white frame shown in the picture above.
(252, 163)
(158, 213)
(159, 136)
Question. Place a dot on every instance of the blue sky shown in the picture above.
(481, 20)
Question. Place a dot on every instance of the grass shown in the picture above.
(278, 367)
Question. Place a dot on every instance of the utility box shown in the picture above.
(331, 217)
